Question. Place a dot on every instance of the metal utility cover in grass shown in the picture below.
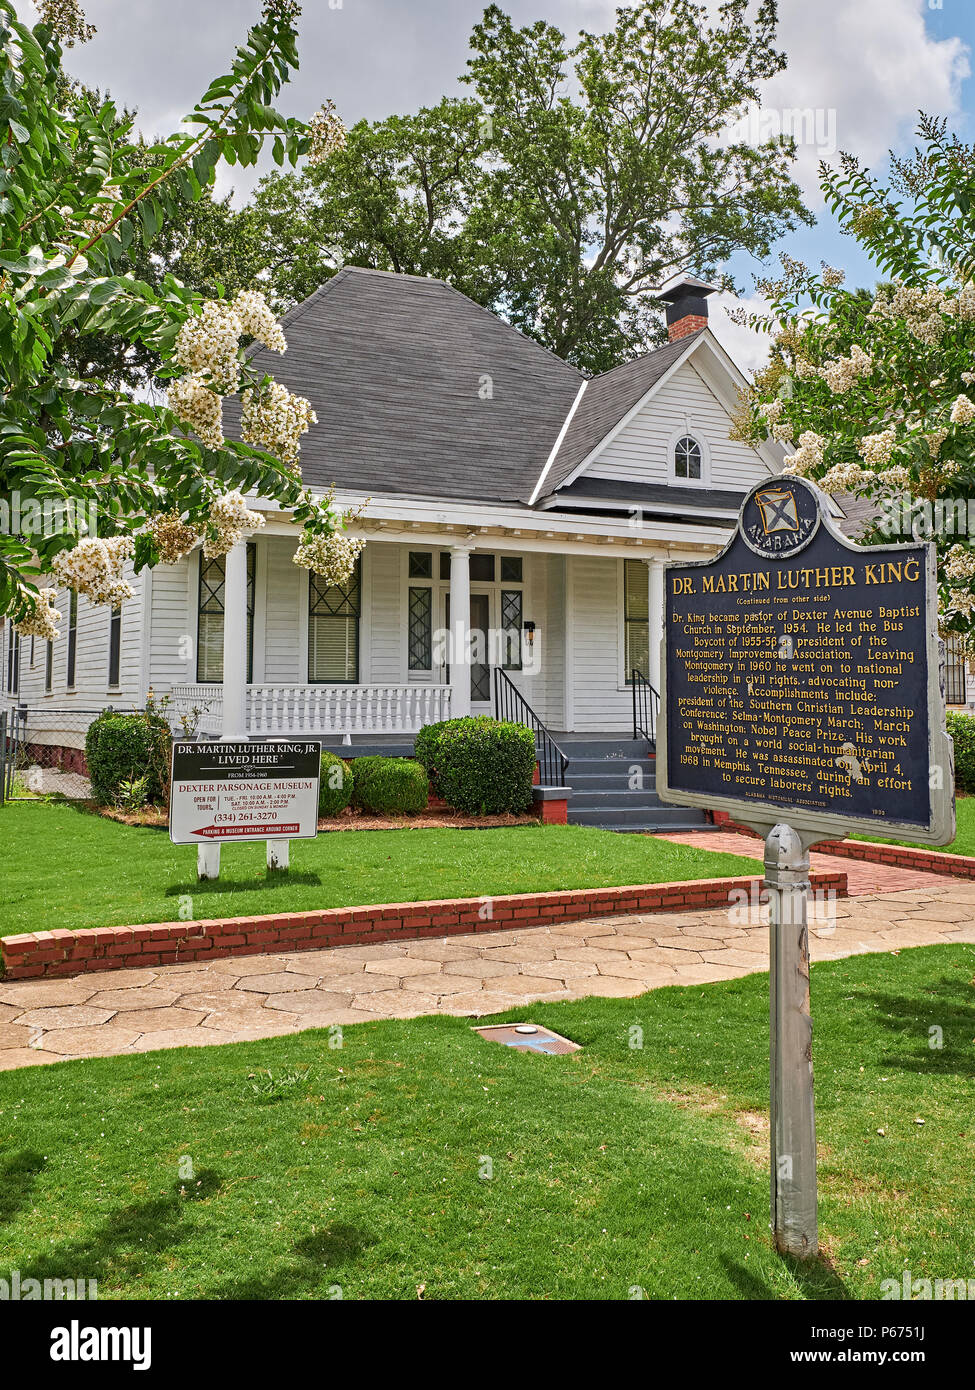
(527, 1037)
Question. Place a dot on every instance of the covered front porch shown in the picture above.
(549, 628)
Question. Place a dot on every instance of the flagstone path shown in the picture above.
(250, 997)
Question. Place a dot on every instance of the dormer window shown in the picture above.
(687, 459)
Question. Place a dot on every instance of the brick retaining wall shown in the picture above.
(61, 952)
(919, 857)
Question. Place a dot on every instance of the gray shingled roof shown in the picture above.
(605, 401)
(393, 366)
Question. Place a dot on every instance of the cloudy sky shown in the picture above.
(864, 67)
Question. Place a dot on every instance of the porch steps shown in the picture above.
(600, 772)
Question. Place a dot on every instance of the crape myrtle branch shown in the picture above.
(72, 182)
(873, 389)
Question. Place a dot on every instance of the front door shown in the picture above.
(480, 623)
(480, 633)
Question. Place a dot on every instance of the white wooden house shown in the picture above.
(508, 498)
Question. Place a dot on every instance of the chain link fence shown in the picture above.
(42, 751)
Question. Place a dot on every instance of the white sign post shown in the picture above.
(222, 793)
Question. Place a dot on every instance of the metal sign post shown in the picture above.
(802, 692)
(792, 1121)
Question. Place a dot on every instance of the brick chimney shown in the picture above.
(687, 306)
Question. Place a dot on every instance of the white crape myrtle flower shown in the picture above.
(935, 439)
(257, 320)
(804, 369)
(921, 311)
(808, 455)
(208, 345)
(197, 406)
(844, 477)
(229, 519)
(333, 556)
(43, 621)
(965, 302)
(66, 19)
(962, 412)
(832, 277)
(961, 600)
(841, 374)
(960, 564)
(275, 420)
(173, 537)
(288, 10)
(327, 134)
(876, 449)
(896, 477)
(94, 568)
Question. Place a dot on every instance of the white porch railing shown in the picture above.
(319, 709)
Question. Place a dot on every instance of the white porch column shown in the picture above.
(235, 643)
(460, 630)
(655, 590)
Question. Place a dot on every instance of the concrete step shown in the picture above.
(614, 817)
(583, 799)
(601, 748)
(609, 781)
(620, 767)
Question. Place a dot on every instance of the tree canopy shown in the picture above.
(571, 182)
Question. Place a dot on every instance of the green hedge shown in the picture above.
(480, 765)
(389, 786)
(124, 747)
(335, 787)
(961, 727)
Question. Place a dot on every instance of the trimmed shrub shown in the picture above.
(123, 749)
(335, 787)
(481, 766)
(389, 786)
(961, 727)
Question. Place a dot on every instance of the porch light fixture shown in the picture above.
(529, 630)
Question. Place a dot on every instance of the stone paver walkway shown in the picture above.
(250, 997)
(861, 876)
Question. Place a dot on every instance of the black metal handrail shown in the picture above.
(646, 707)
(509, 703)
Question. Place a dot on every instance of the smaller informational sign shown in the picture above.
(226, 792)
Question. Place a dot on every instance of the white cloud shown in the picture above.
(866, 69)
(747, 348)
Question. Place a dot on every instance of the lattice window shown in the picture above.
(421, 628)
(511, 613)
(333, 629)
(209, 641)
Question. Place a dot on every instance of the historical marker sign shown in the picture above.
(802, 693)
(801, 678)
(226, 792)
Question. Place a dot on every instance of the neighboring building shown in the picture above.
(509, 497)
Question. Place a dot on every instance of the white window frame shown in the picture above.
(700, 439)
(441, 589)
(622, 684)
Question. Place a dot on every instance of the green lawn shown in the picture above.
(964, 841)
(613, 1168)
(65, 868)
